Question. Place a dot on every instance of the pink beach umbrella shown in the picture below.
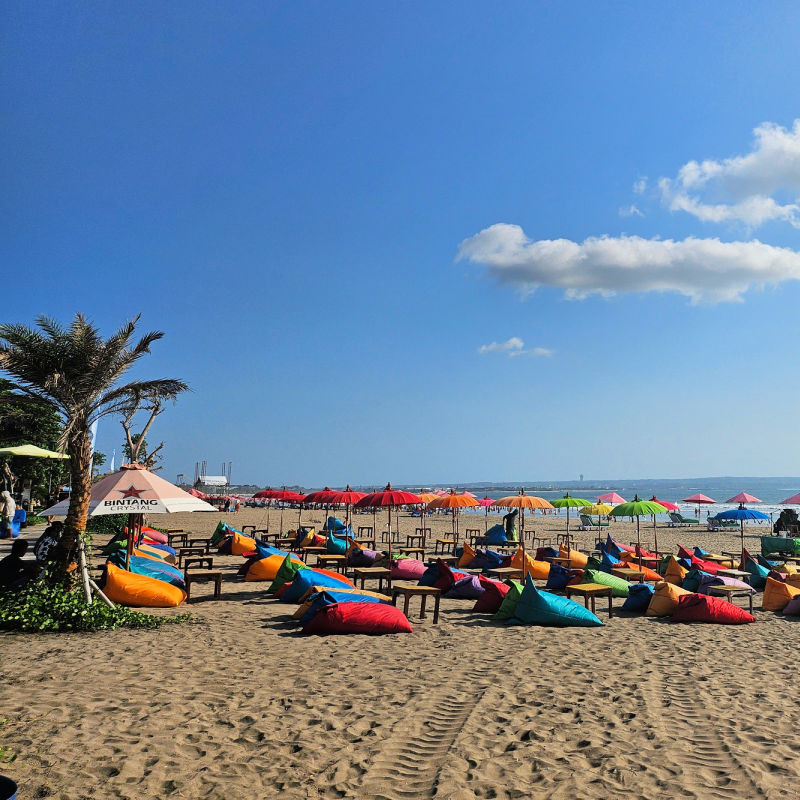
(698, 500)
(611, 497)
(486, 502)
(794, 500)
(743, 497)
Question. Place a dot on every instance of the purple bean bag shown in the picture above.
(361, 557)
(466, 588)
(707, 581)
(792, 608)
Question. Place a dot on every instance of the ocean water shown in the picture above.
(770, 490)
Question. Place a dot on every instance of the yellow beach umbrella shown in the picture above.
(597, 508)
(30, 450)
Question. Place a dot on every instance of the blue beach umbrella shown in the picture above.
(741, 514)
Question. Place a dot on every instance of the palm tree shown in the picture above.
(78, 373)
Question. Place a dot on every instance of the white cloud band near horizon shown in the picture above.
(705, 270)
(755, 188)
(513, 348)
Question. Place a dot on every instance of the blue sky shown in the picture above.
(331, 209)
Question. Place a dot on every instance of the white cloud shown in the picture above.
(755, 188)
(502, 347)
(513, 348)
(630, 211)
(702, 269)
(640, 186)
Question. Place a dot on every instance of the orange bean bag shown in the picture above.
(129, 589)
(665, 599)
(538, 570)
(793, 580)
(466, 556)
(242, 544)
(777, 595)
(265, 569)
(577, 560)
(674, 572)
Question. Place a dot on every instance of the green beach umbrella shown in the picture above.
(568, 502)
(637, 508)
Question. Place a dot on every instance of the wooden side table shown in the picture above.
(201, 542)
(409, 590)
(204, 575)
(590, 591)
(410, 552)
(338, 563)
(501, 573)
(206, 562)
(373, 573)
(729, 592)
(444, 546)
(182, 552)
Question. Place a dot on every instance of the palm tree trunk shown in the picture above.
(79, 448)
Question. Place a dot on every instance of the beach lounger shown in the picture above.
(677, 521)
(587, 523)
(713, 524)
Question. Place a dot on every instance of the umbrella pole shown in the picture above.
(741, 526)
(486, 521)
(638, 542)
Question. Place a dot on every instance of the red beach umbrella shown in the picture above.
(669, 506)
(389, 498)
(347, 498)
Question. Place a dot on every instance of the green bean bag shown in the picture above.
(510, 601)
(619, 586)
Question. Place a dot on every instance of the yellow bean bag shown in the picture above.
(129, 589)
(788, 569)
(538, 570)
(674, 572)
(665, 599)
(793, 580)
(308, 540)
(242, 544)
(777, 595)
(466, 556)
(577, 560)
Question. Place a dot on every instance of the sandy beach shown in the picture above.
(238, 704)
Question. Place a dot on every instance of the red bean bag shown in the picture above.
(711, 567)
(446, 580)
(706, 608)
(492, 598)
(369, 618)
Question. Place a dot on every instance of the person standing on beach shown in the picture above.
(7, 510)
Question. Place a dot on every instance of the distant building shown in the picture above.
(205, 482)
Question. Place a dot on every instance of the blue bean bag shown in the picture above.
(159, 570)
(163, 547)
(542, 608)
(700, 553)
(611, 547)
(305, 579)
(692, 579)
(336, 546)
(333, 524)
(758, 574)
(639, 596)
(607, 563)
(559, 577)
(496, 534)
(267, 550)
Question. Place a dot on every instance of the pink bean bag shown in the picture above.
(368, 618)
(407, 569)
